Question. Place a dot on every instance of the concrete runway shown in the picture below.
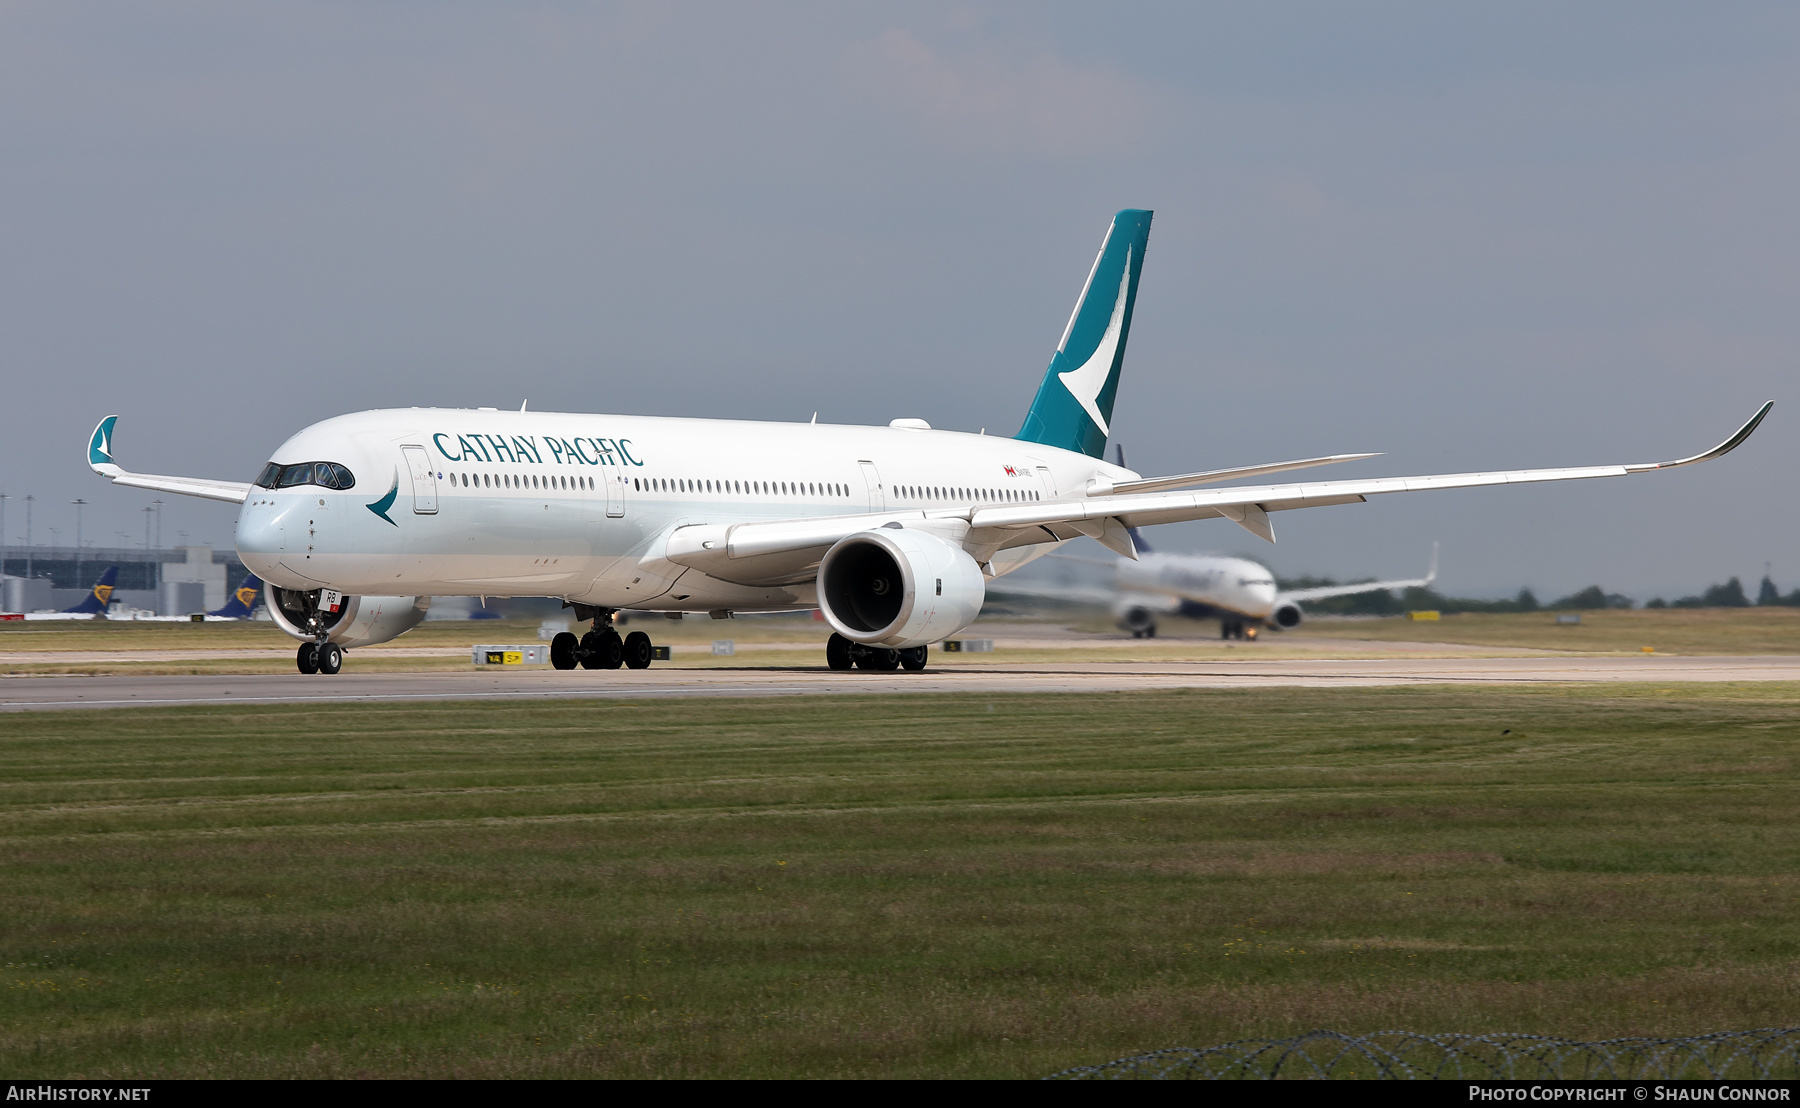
(50, 693)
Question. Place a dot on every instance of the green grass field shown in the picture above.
(1669, 631)
(905, 886)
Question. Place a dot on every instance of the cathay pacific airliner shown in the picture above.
(891, 532)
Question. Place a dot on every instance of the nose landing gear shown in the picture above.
(601, 648)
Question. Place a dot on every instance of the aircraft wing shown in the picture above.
(1301, 596)
(788, 551)
(100, 460)
(1325, 592)
(1249, 506)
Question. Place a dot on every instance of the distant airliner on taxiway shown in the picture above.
(1239, 593)
(893, 532)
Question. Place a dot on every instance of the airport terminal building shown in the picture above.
(178, 581)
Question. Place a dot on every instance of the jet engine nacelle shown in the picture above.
(1286, 616)
(899, 588)
(1137, 619)
(359, 620)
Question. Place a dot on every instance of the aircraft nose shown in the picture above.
(259, 536)
(1264, 596)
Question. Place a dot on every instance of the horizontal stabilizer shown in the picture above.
(1212, 476)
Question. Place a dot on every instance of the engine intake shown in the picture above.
(899, 588)
(359, 620)
(1286, 616)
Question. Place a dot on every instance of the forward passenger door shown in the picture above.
(424, 480)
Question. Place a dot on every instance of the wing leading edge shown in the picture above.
(1325, 592)
(1254, 502)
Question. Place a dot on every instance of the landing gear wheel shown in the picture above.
(637, 650)
(602, 650)
(330, 657)
(837, 652)
(562, 650)
(307, 658)
(913, 658)
(879, 658)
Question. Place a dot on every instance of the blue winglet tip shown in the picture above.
(100, 446)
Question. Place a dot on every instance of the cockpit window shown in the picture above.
(328, 475)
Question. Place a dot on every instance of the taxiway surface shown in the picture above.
(49, 693)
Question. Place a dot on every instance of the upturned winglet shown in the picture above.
(100, 458)
(1720, 450)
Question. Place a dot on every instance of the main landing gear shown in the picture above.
(319, 657)
(601, 648)
(1236, 629)
(842, 654)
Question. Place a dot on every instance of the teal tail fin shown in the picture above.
(1073, 407)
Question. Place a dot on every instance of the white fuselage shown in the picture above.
(482, 502)
(1234, 585)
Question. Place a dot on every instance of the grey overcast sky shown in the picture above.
(1472, 236)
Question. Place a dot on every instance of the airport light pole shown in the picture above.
(79, 504)
(3, 499)
(147, 510)
(159, 505)
(28, 502)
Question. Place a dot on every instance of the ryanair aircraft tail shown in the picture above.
(1073, 407)
(100, 596)
(243, 601)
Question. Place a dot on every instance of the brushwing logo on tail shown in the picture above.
(380, 507)
(100, 446)
(1073, 407)
(1084, 384)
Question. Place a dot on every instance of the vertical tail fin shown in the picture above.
(1074, 404)
(243, 600)
(99, 596)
